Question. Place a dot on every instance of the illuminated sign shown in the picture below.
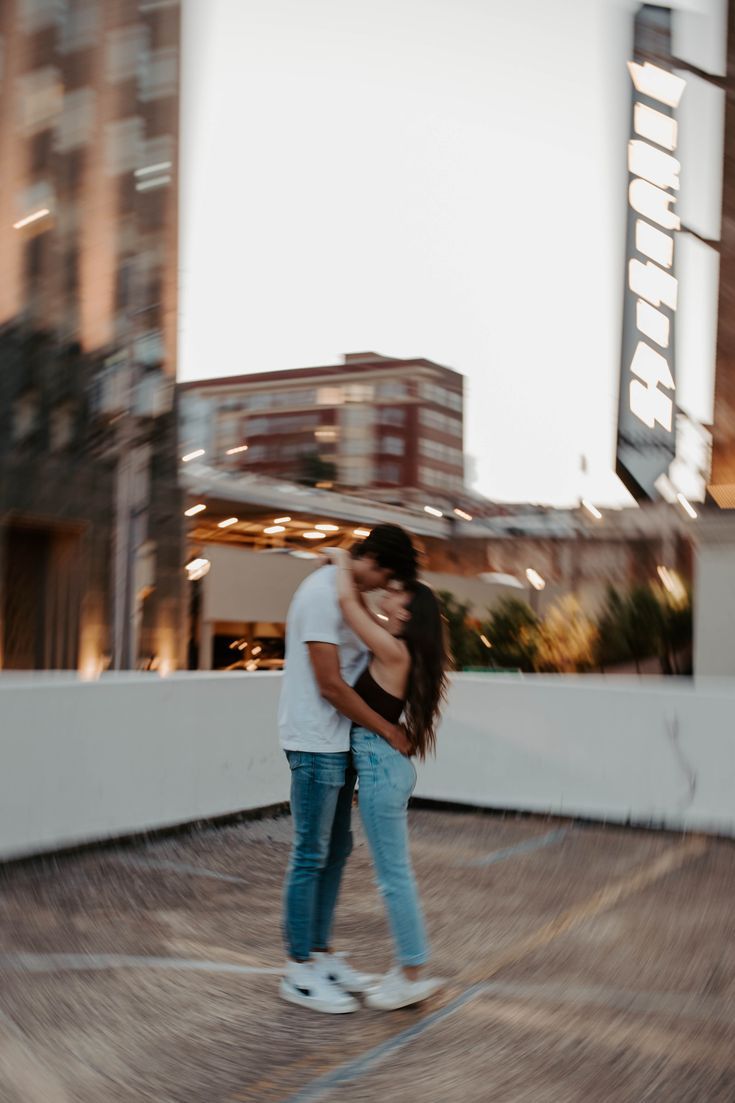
(646, 417)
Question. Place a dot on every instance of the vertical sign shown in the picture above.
(647, 408)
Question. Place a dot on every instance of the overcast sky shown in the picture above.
(437, 178)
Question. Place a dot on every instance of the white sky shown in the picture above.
(438, 178)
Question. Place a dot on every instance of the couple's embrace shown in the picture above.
(350, 679)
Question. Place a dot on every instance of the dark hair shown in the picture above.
(392, 549)
(427, 681)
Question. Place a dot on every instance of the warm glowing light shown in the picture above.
(652, 283)
(193, 455)
(313, 535)
(227, 522)
(433, 511)
(363, 533)
(31, 218)
(193, 510)
(149, 169)
(672, 582)
(686, 506)
(256, 650)
(652, 323)
(653, 203)
(281, 520)
(658, 84)
(154, 182)
(654, 243)
(327, 528)
(535, 579)
(647, 402)
(197, 568)
(234, 451)
(591, 509)
(381, 616)
(653, 164)
(485, 640)
(465, 516)
(654, 125)
(271, 530)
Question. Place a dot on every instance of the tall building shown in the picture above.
(373, 423)
(90, 534)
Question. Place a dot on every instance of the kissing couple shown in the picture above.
(360, 698)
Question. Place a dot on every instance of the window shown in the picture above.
(25, 417)
(392, 388)
(389, 473)
(158, 74)
(392, 415)
(440, 480)
(125, 47)
(433, 450)
(76, 123)
(357, 446)
(39, 99)
(359, 392)
(330, 396)
(123, 141)
(394, 446)
(442, 423)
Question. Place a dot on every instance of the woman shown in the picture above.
(404, 678)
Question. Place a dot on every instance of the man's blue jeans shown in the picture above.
(322, 787)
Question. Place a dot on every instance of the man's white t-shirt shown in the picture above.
(306, 722)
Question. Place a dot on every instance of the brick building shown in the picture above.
(390, 426)
(90, 513)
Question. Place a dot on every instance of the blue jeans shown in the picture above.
(387, 779)
(322, 786)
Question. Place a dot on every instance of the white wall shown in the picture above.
(86, 761)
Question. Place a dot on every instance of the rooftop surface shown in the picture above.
(582, 963)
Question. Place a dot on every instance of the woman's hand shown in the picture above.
(338, 556)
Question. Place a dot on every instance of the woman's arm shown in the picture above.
(385, 647)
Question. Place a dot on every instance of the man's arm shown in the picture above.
(333, 688)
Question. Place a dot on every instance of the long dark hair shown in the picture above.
(427, 681)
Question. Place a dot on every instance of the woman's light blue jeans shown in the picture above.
(386, 781)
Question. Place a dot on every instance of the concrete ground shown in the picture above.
(582, 964)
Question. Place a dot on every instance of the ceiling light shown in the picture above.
(281, 520)
(361, 532)
(193, 510)
(193, 455)
(226, 523)
(271, 530)
(313, 535)
(434, 512)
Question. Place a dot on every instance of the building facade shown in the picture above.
(372, 423)
(90, 513)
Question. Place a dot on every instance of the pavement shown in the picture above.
(582, 963)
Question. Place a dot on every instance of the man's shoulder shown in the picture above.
(319, 583)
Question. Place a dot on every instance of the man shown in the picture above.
(317, 708)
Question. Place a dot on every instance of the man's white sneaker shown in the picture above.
(305, 985)
(337, 969)
(395, 990)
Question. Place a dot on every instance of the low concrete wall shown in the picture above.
(88, 761)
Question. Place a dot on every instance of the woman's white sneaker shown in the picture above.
(337, 969)
(396, 990)
(305, 985)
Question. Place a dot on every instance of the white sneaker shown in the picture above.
(337, 969)
(305, 985)
(395, 990)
